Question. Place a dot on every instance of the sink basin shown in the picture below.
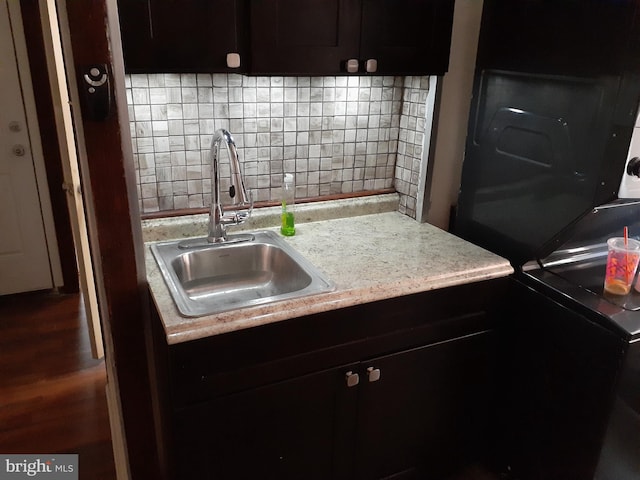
(208, 278)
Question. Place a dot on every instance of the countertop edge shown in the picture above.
(402, 256)
(328, 302)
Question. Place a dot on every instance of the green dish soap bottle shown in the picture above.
(288, 226)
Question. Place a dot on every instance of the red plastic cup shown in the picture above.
(622, 263)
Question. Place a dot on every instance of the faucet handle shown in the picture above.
(244, 213)
(241, 213)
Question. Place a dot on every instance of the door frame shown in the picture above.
(90, 34)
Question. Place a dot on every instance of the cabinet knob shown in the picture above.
(373, 374)
(352, 65)
(371, 65)
(233, 60)
(352, 379)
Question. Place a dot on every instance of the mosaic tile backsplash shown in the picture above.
(336, 134)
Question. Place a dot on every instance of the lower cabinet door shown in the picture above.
(289, 430)
(416, 414)
(422, 412)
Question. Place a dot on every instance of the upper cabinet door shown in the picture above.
(406, 36)
(304, 37)
(375, 36)
(182, 35)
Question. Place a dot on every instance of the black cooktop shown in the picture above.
(589, 275)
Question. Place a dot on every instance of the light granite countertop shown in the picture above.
(376, 256)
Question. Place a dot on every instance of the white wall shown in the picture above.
(630, 185)
(454, 113)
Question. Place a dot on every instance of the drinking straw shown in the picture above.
(626, 254)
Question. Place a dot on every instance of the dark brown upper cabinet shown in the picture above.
(320, 37)
(287, 37)
(568, 37)
(304, 36)
(183, 36)
(407, 36)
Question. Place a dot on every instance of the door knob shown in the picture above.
(14, 126)
(18, 150)
(373, 374)
(352, 379)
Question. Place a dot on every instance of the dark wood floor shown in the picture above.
(52, 393)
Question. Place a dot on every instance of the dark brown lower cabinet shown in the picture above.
(396, 389)
(280, 431)
(411, 414)
(426, 415)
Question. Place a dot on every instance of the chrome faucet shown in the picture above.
(242, 203)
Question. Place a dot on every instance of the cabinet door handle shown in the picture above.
(352, 65)
(373, 374)
(352, 379)
(233, 60)
(371, 65)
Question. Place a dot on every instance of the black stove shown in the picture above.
(554, 106)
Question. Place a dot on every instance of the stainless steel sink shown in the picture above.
(206, 278)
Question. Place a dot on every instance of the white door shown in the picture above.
(24, 258)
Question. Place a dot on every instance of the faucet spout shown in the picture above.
(241, 204)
